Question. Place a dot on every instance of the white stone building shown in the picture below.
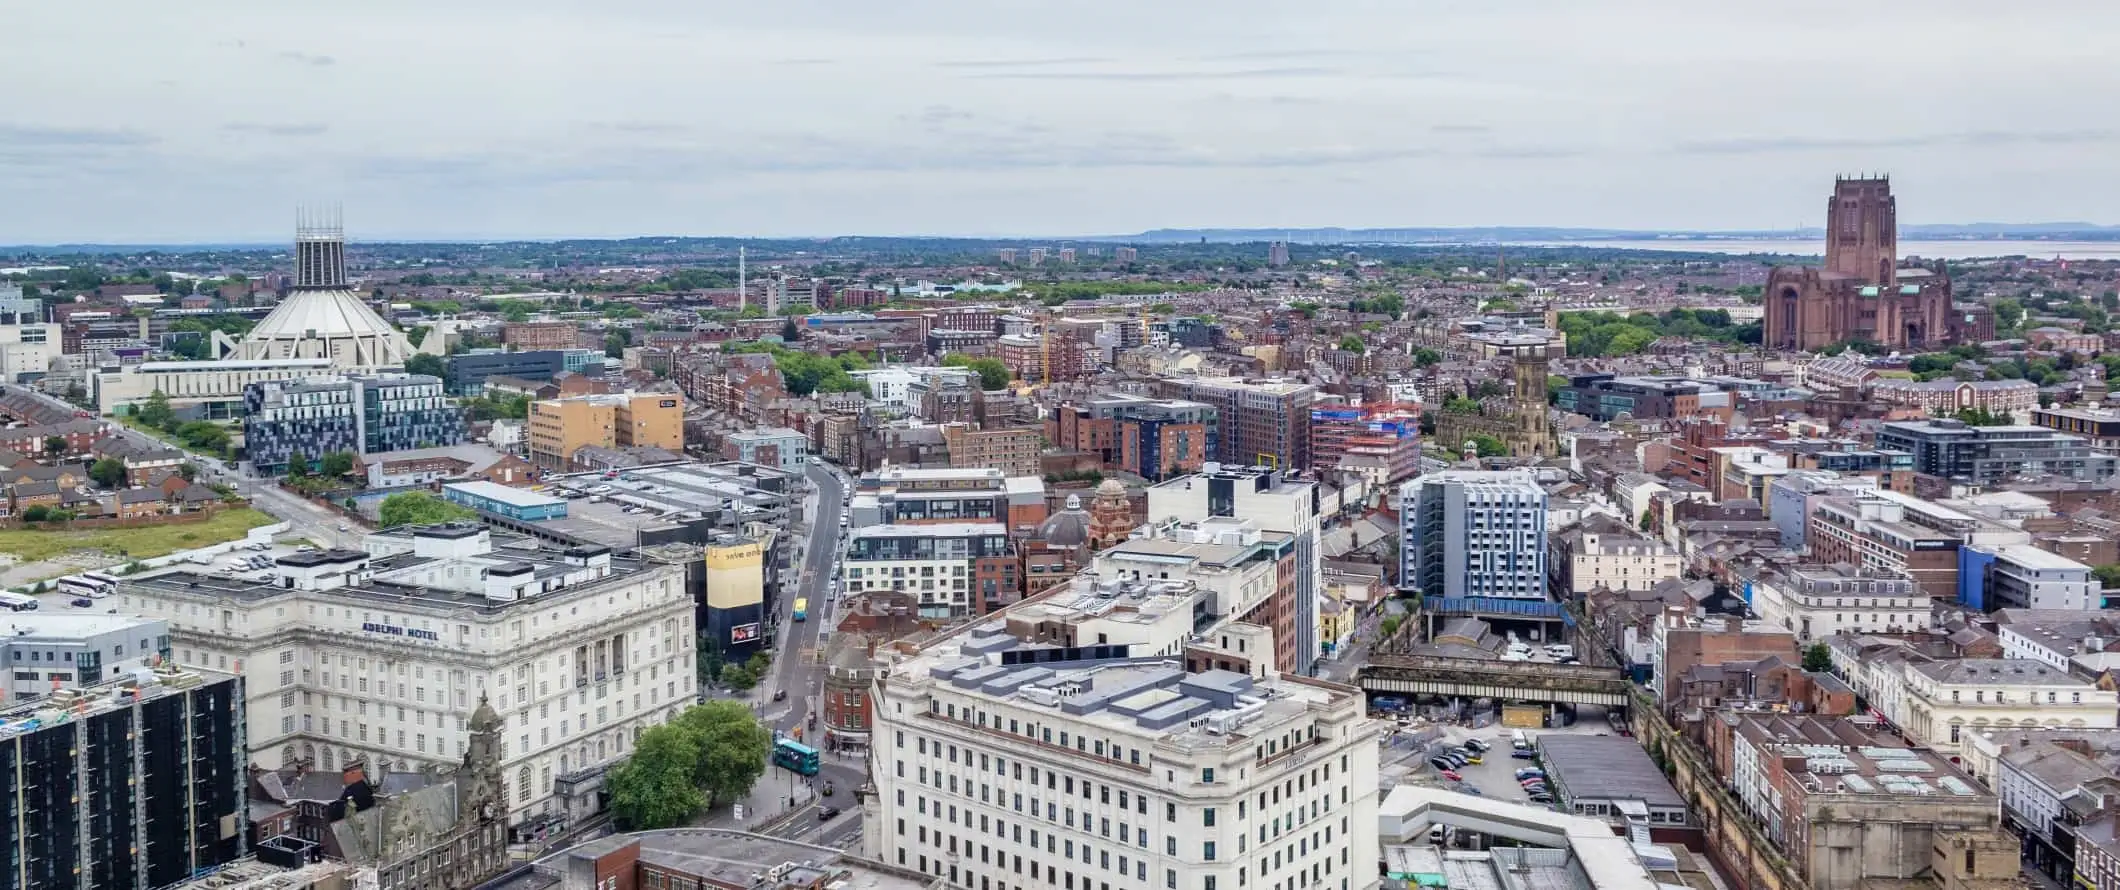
(1118, 768)
(1823, 600)
(382, 654)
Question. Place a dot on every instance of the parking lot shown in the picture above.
(1405, 758)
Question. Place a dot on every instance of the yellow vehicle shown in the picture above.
(802, 608)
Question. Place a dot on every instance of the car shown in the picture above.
(1524, 754)
(1472, 758)
(1468, 789)
(1529, 772)
(1477, 745)
(1542, 798)
(1439, 763)
(1456, 760)
(1532, 784)
(344, 527)
(1453, 775)
(826, 814)
(82, 602)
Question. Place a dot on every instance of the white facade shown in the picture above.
(1945, 700)
(383, 655)
(1816, 601)
(1131, 774)
(47, 650)
(1474, 534)
(1272, 502)
(936, 562)
(191, 384)
(28, 349)
(1622, 563)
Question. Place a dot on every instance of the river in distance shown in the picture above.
(1946, 250)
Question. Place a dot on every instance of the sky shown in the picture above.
(212, 120)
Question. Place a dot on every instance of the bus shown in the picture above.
(802, 608)
(77, 586)
(100, 578)
(17, 602)
(789, 754)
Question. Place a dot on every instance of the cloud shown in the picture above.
(27, 136)
(1776, 145)
(1165, 76)
(1022, 63)
(301, 58)
(278, 129)
(1460, 128)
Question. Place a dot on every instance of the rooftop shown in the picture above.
(1997, 672)
(493, 491)
(1605, 768)
(67, 705)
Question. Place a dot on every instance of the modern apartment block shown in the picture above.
(127, 785)
(1381, 442)
(1262, 424)
(534, 336)
(1985, 455)
(2021, 576)
(1891, 532)
(1012, 450)
(1276, 502)
(360, 414)
(53, 651)
(1082, 741)
(467, 373)
(917, 496)
(1470, 533)
(560, 427)
(1242, 574)
(1150, 438)
(958, 569)
(2100, 425)
(777, 447)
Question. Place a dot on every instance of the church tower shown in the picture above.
(1862, 231)
(1534, 431)
(480, 794)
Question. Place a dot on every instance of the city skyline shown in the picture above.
(481, 121)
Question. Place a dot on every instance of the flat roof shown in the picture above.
(2034, 558)
(1605, 768)
(494, 491)
(937, 530)
(45, 626)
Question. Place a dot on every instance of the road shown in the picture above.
(799, 672)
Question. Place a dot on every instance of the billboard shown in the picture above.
(744, 633)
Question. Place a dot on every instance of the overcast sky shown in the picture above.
(209, 120)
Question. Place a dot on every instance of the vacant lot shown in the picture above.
(132, 543)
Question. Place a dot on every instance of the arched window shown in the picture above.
(522, 784)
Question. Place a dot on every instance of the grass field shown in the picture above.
(33, 545)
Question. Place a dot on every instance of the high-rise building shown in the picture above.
(1262, 424)
(1381, 442)
(560, 427)
(1012, 450)
(1473, 534)
(1067, 254)
(531, 336)
(128, 785)
(1118, 752)
(1277, 254)
(27, 342)
(1276, 502)
(1124, 255)
(358, 414)
(381, 655)
(1006, 256)
(1985, 455)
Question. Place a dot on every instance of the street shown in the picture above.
(797, 670)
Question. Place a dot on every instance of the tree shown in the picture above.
(1427, 358)
(155, 412)
(336, 464)
(54, 446)
(1489, 446)
(654, 788)
(203, 435)
(108, 472)
(420, 508)
(992, 373)
(1354, 344)
(188, 470)
(788, 331)
(37, 513)
(2108, 575)
(732, 748)
(430, 365)
(297, 466)
(1818, 658)
(615, 343)
(2008, 314)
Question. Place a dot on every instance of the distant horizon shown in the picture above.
(1520, 235)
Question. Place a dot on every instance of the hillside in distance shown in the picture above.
(2052, 231)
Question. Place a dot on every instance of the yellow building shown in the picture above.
(560, 427)
(735, 582)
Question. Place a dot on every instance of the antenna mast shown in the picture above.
(743, 293)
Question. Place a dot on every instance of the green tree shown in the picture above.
(732, 748)
(188, 470)
(2108, 575)
(992, 373)
(430, 365)
(155, 412)
(1163, 309)
(1354, 344)
(108, 472)
(1489, 446)
(615, 343)
(203, 435)
(54, 446)
(336, 464)
(37, 513)
(297, 466)
(1818, 658)
(1427, 358)
(788, 331)
(2009, 313)
(654, 788)
(421, 508)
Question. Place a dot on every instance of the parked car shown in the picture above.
(1468, 789)
(1476, 745)
(1452, 775)
(82, 602)
(1439, 763)
(1524, 754)
(1530, 772)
